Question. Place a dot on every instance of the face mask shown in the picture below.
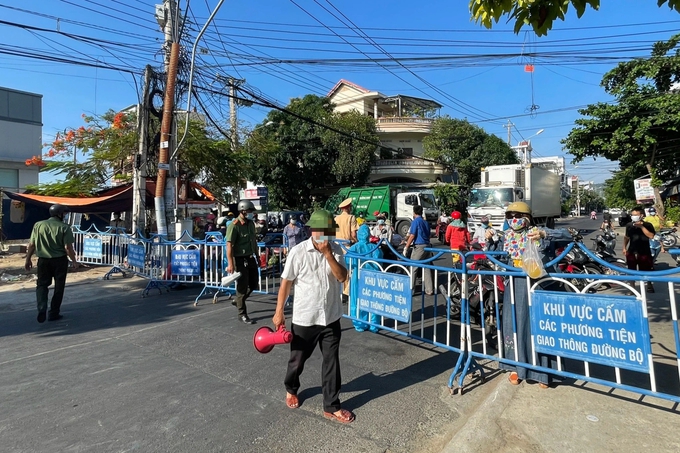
(322, 239)
(519, 224)
(635, 218)
(250, 216)
(292, 221)
(485, 225)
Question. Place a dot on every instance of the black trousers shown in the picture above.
(247, 283)
(48, 269)
(304, 341)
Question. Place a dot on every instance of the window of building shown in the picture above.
(9, 178)
(407, 151)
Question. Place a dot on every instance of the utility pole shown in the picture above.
(233, 116)
(165, 196)
(139, 163)
(509, 128)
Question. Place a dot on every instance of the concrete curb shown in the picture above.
(481, 431)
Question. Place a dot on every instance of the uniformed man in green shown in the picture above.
(241, 252)
(52, 241)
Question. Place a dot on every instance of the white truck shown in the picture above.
(503, 184)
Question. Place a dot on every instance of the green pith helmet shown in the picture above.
(321, 220)
(519, 206)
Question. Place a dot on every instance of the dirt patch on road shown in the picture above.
(13, 276)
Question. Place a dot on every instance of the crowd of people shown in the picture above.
(316, 269)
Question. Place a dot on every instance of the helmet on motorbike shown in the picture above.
(246, 205)
(455, 215)
(58, 210)
(519, 206)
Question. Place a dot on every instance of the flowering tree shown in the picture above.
(106, 143)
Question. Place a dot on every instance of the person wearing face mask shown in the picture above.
(52, 241)
(485, 234)
(636, 244)
(457, 236)
(368, 250)
(521, 230)
(241, 252)
(294, 233)
(315, 268)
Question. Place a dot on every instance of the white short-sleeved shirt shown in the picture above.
(317, 291)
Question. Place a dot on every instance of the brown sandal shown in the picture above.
(344, 416)
(513, 378)
(292, 401)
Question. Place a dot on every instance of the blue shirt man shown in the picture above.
(419, 236)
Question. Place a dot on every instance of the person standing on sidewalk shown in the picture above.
(315, 269)
(241, 251)
(52, 241)
(419, 236)
(636, 243)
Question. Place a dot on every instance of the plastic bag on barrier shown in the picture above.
(532, 263)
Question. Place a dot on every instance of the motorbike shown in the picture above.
(440, 232)
(668, 237)
(605, 249)
(480, 297)
(577, 262)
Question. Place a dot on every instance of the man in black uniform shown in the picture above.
(636, 244)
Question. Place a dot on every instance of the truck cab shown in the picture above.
(405, 201)
(491, 201)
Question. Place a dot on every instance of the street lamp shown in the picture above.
(525, 147)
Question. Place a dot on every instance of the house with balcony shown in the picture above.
(402, 123)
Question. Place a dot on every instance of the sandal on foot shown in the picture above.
(292, 401)
(513, 378)
(343, 416)
(543, 386)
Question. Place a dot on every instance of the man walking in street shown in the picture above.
(241, 251)
(419, 236)
(315, 269)
(636, 244)
(52, 241)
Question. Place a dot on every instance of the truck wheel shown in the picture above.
(403, 228)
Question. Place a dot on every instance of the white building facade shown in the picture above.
(21, 133)
(402, 124)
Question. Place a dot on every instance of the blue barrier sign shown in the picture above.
(185, 262)
(606, 329)
(384, 294)
(92, 248)
(136, 255)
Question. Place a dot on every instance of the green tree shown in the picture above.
(108, 143)
(540, 14)
(295, 158)
(466, 147)
(619, 191)
(447, 196)
(641, 129)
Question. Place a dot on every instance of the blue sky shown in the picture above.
(475, 73)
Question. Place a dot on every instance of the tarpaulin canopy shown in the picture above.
(111, 200)
(116, 199)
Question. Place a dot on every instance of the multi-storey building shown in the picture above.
(21, 132)
(402, 123)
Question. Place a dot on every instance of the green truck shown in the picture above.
(397, 200)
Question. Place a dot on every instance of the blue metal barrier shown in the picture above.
(610, 344)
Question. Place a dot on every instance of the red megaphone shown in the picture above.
(265, 338)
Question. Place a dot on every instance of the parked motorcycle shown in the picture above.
(605, 249)
(577, 262)
(477, 297)
(668, 237)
